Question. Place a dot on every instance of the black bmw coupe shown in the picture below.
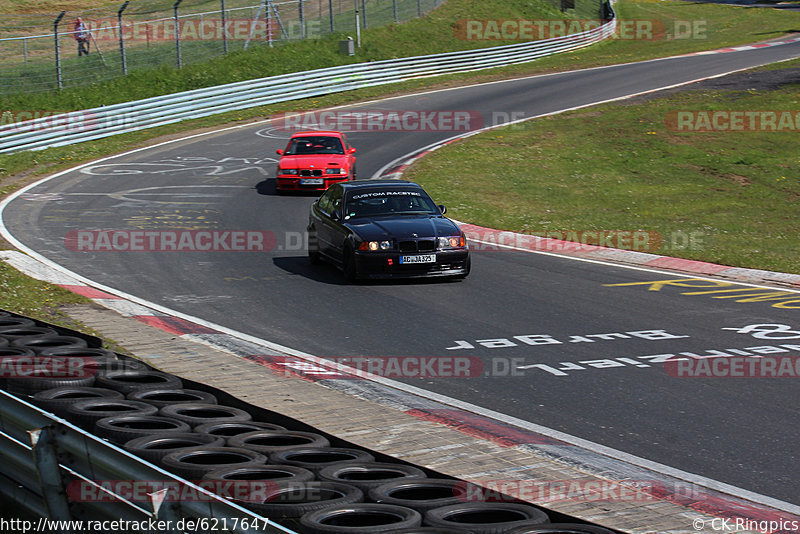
(385, 228)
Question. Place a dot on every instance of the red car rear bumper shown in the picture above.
(294, 183)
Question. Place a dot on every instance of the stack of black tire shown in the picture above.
(276, 466)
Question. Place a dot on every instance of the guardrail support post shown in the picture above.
(122, 39)
(45, 456)
(177, 32)
(301, 16)
(268, 13)
(58, 52)
(364, 13)
(358, 26)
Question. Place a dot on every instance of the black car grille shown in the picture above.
(314, 172)
(426, 245)
(421, 245)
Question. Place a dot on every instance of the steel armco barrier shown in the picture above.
(97, 123)
(39, 452)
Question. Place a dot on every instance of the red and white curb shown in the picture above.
(742, 48)
(492, 239)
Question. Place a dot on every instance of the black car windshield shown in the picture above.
(315, 144)
(380, 202)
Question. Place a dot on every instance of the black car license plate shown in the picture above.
(418, 258)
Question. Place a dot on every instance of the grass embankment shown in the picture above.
(718, 26)
(626, 167)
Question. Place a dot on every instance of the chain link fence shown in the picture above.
(41, 52)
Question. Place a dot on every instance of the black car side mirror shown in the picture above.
(336, 215)
(442, 208)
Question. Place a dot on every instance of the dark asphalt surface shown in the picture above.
(580, 370)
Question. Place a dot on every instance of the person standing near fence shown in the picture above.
(81, 34)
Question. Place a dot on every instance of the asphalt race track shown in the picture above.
(571, 345)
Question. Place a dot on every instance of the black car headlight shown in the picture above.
(287, 171)
(374, 246)
(452, 242)
(334, 171)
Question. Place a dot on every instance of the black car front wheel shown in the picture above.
(313, 248)
(314, 257)
(349, 263)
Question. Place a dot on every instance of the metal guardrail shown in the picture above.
(97, 123)
(39, 452)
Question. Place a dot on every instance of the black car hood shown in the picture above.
(407, 227)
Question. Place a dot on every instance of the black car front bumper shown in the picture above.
(449, 263)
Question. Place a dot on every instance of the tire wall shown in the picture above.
(136, 377)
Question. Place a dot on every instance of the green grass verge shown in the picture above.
(723, 26)
(33, 298)
(27, 296)
(621, 167)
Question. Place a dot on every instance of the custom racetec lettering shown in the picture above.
(378, 194)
